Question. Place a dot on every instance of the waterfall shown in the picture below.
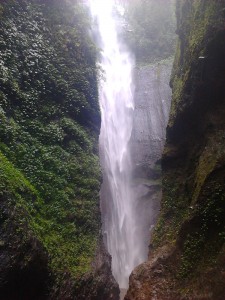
(132, 136)
(116, 89)
(117, 108)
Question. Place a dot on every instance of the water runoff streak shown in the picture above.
(117, 107)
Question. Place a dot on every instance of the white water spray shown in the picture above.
(116, 101)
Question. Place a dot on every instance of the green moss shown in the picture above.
(69, 248)
(194, 34)
(203, 16)
(206, 165)
(191, 255)
(201, 248)
(174, 210)
(12, 180)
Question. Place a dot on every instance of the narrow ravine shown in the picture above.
(117, 107)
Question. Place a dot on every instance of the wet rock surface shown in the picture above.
(23, 260)
(99, 284)
(152, 100)
(186, 246)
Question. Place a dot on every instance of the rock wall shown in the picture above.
(186, 258)
(152, 100)
(152, 103)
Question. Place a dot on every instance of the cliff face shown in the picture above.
(187, 258)
(152, 103)
(152, 100)
(50, 245)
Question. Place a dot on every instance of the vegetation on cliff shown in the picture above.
(187, 250)
(150, 32)
(49, 170)
(197, 71)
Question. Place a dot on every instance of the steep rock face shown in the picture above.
(152, 100)
(187, 250)
(50, 245)
(152, 103)
(99, 284)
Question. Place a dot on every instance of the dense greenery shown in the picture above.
(151, 29)
(49, 123)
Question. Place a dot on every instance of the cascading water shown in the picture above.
(116, 101)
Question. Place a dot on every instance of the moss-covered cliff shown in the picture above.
(50, 244)
(187, 259)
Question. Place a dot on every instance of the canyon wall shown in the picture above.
(152, 100)
(186, 258)
(50, 243)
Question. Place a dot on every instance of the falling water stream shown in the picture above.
(117, 108)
